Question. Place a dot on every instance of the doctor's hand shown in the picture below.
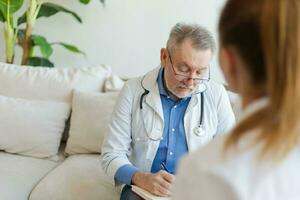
(159, 183)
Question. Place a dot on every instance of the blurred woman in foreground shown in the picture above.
(260, 158)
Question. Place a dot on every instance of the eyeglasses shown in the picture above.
(180, 76)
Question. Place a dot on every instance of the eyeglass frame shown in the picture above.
(199, 80)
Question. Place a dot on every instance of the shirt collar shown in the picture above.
(161, 85)
(160, 82)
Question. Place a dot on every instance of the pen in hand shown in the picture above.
(164, 167)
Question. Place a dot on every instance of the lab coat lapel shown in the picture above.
(191, 119)
(153, 98)
(193, 102)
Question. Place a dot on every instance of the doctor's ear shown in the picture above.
(163, 56)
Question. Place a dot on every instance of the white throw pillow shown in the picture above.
(90, 116)
(50, 84)
(32, 128)
(113, 83)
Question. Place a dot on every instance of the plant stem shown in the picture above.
(31, 16)
(9, 34)
(9, 44)
(26, 44)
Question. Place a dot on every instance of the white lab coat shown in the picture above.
(209, 174)
(127, 141)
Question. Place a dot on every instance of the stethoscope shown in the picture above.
(198, 130)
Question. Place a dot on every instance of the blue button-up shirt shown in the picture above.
(173, 145)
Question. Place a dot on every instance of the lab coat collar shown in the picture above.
(149, 80)
(153, 98)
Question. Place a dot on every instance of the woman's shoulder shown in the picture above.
(240, 169)
(199, 175)
(216, 158)
(211, 167)
(210, 154)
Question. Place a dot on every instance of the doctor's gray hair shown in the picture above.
(201, 38)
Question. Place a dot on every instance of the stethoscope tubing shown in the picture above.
(198, 132)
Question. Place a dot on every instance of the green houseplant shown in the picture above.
(19, 31)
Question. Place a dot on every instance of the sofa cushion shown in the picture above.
(56, 84)
(78, 177)
(32, 128)
(89, 121)
(20, 174)
(113, 84)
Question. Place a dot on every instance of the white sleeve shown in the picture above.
(116, 145)
(226, 118)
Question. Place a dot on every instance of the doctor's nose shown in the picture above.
(190, 82)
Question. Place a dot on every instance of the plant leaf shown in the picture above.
(88, 1)
(22, 19)
(102, 1)
(39, 61)
(2, 18)
(42, 43)
(11, 5)
(49, 9)
(85, 1)
(71, 48)
(14, 5)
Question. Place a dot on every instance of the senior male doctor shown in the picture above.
(168, 112)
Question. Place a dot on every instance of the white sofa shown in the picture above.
(36, 161)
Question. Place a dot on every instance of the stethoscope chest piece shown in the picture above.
(199, 131)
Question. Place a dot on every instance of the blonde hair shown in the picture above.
(276, 26)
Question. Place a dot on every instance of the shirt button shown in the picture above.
(175, 106)
(171, 153)
(173, 129)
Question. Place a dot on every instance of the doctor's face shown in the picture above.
(185, 68)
